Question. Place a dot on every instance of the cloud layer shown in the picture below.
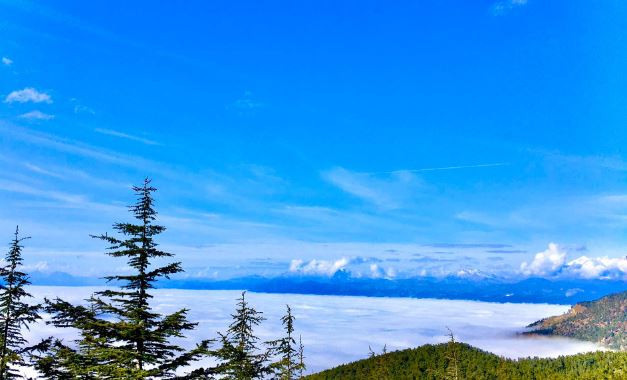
(337, 330)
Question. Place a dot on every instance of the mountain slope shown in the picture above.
(603, 321)
(435, 362)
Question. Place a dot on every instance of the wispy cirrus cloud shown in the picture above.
(61, 199)
(36, 115)
(504, 6)
(26, 189)
(28, 94)
(122, 135)
(388, 191)
(7, 61)
(70, 146)
(39, 170)
(438, 168)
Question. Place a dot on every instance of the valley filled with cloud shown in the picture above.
(339, 329)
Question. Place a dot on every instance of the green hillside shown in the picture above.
(461, 361)
(603, 321)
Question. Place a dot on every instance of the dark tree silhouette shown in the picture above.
(121, 335)
(15, 313)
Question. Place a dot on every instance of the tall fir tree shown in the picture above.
(288, 365)
(122, 337)
(15, 312)
(240, 355)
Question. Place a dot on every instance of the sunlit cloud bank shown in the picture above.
(318, 267)
(553, 262)
(339, 329)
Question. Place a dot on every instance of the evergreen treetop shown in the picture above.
(289, 364)
(240, 353)
(121, 335)
(15, 313)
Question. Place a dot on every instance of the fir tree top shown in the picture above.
(15, 313)
(121, 335)
(240, 355)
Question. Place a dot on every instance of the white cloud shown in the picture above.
(28, 94)
(553, 262)
(504, 6)
(318, 267)
(545, 263)
(36, 115)
(377, 271)
(7, 61)
(598, 267)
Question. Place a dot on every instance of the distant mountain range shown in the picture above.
(480, 288)
(603, 321)
(461, 361)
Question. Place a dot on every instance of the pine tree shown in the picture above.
(240, 353)
(288, 365)
(301, 357)
(121, 335)
(56, 360)
(452, 355)
(15, 313)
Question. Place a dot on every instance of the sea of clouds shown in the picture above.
(339, 329)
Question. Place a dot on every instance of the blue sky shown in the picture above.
(393, 140)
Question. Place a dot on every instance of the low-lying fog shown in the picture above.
(339, 329)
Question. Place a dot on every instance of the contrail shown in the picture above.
(444, 168)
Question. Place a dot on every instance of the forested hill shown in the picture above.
(461, 361)
(603, 321)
